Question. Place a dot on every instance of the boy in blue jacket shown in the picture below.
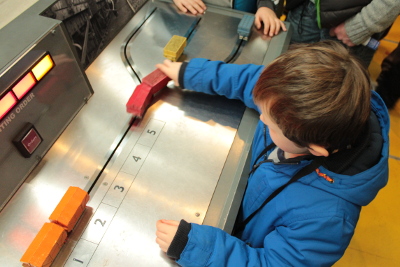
(321, 128)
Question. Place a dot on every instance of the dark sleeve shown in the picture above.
(265, 3)
(181, 74)
(180, 240)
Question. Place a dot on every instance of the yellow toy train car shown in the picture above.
(174, 48)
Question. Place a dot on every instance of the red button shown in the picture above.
(31, 141)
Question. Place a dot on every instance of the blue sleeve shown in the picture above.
(318, 241)
(219, 78)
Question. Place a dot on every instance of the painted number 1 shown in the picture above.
(78, 260)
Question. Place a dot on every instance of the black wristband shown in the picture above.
(180, 240)
(268, 3)
(181, 74)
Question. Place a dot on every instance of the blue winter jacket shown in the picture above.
(311, 222)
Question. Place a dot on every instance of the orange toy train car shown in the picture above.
(45, 247)
(70, 208)
(48, 242)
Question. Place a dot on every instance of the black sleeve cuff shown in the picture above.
(180, 240)
(181, 74)
(265, 3)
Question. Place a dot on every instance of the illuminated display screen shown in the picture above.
(43, 67)
(23, 85)
(6, 103)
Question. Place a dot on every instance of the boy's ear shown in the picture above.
(318, 151)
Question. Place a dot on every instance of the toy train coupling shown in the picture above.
(245, 25)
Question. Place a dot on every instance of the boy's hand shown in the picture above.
(171, 69)
(193, 6)
(272, 24)
(166, 230)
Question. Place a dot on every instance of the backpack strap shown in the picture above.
(301, 173)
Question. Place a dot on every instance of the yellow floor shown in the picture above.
(376, 241)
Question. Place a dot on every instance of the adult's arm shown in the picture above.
(373, 18)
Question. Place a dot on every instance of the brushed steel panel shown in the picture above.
(82, 254)
(118, 189)
(176, 178)
(99, 223)
(135, 160)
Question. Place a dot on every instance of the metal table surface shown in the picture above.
(186, 159)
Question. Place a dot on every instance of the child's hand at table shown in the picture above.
(192, 6)
(272, 24)
(171, 69)
(166, 230)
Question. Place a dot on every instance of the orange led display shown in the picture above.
(6, 103)
(24, 85)
(43, 67)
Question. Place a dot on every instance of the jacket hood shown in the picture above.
(368, 173)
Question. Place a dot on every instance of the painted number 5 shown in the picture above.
(151, 132)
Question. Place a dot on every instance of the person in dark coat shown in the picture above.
(389, 79)
(353, 23)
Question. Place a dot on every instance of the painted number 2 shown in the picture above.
(100, 221)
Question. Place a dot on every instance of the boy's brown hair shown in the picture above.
(318, 94)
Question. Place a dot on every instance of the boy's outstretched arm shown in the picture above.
(215, 78)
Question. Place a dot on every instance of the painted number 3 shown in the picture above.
(119, 187)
